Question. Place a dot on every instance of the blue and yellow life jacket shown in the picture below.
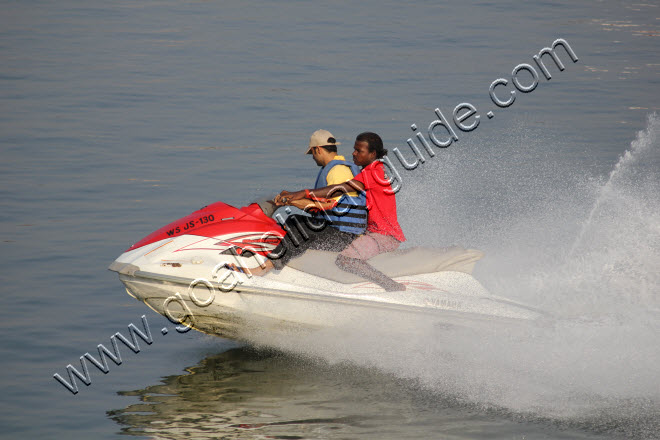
(350, 213)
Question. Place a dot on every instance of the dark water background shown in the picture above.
(118, 117)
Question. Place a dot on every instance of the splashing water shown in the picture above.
(640, 148)
(613, 265)
(595, 265)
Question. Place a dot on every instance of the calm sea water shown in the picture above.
(118, 117)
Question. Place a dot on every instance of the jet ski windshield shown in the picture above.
(267, 206)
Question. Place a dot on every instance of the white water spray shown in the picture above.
(596, 365)
(645, 142)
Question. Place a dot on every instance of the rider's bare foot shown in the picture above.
(262, 270)
(256, 271)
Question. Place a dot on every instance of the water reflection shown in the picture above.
(243, 393)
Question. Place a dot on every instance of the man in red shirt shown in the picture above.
(383, 231)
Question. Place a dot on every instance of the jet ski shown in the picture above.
(206, 271)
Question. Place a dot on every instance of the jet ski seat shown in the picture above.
(399, 263)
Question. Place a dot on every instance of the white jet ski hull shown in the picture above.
(184, 272)
(249, 309)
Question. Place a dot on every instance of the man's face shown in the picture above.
(361, 154)
(316, 155)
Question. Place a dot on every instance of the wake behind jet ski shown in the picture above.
(202, 271)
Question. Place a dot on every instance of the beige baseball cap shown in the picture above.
(320, 138)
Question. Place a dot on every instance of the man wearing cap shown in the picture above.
(340, 219)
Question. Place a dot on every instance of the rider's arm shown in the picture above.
(340, 174)
(308, 204)
(325, 192)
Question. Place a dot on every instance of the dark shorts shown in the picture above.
(304, 233)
